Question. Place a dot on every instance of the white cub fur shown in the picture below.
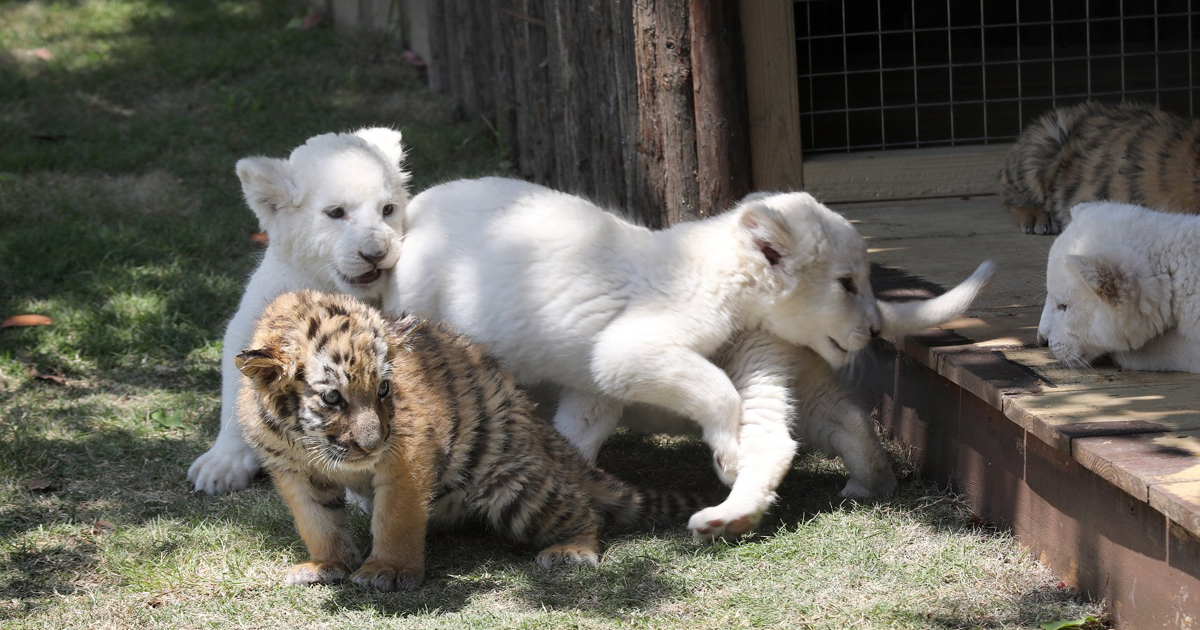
(1125, 280)
(614, 313)
(333, 212)
(567, 293)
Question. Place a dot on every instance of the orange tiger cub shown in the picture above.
(1093, 151)
(426, 424)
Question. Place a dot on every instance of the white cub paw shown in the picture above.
(727, 474)
(224, 469)
(883, 485)
(725, 521)
(725, 459)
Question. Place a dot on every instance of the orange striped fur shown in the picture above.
(428, 425)
(1094, 152)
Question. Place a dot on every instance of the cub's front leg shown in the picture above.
(320, 515)
(761, 367)
(639, 369)
(1168, 352)
(398, 521)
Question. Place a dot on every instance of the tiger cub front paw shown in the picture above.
(382, 575)
(314, 572)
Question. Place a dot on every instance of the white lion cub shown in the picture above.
(1125, 280)
(567, 293)
(334, 213)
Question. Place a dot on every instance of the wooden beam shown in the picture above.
(666, 140)
(719, 90)
(772, 96)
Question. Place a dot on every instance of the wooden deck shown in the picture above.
(1096, 471)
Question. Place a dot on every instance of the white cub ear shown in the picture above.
(388, 142)
(1106, 279)
(769, 233)
(268, 186)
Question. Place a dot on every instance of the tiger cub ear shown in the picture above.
(265, 367)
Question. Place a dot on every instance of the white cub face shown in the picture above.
(335, 207)
(1100, 296)
(814, 268)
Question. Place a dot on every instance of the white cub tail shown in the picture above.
(907, 318)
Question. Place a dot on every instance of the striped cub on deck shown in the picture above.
(1099, 152)
(428, 425)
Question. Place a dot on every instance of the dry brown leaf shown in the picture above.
(39, 485)
(260, 237)
(99, 527)
(57, 379)
(312, 19)
(26, 320)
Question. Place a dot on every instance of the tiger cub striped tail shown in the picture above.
(633, 507)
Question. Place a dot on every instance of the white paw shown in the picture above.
(224, 468)
(366, 504)
(725, 459)
(724, 521)
(727, 475)
(883, 485)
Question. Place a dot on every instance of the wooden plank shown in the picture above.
(1100, 539)
(1137, 462)
(531, 86)
(719, 91)
(437, 63)
(666, 114)
(504, 77)
(1057, 417)
(1180, 502)
(772, 95)
(904, 174)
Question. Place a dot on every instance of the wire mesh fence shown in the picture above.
(887, 74)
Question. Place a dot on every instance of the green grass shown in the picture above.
(121, 218)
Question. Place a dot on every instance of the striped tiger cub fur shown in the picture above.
(430, 427)
(1094, 152)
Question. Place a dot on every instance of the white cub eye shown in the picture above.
(389, 209)
(332, 398)
(385, 388)
(336, 213)
(848, 285)
(1061, 307)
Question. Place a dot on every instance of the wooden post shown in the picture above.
(666, 116)
(772, 94)
(722, 142)
(435, 65)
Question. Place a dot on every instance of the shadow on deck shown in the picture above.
(1096, 471)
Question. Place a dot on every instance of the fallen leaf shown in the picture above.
(99, 527)
(165, 420)
(57, 379)
(42, 53)
(26, 320)
(260, 237)
(39, 485)
(413, 59)
(312, 19)
(1067, 623)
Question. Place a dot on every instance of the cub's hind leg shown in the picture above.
(581, 548)
(1033, 220)
(830, 421)
(320, 516)
(586, 419)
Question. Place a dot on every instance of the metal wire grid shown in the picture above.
(1002, 106)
